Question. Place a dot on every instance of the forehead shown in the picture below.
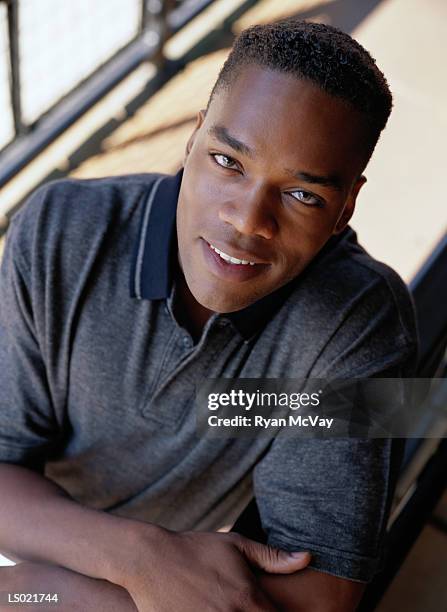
(280, 116)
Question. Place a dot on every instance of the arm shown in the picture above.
(335, 494)
(306, 590)
(40, 523)
(312, 590)
(74, 591)
(50, 527)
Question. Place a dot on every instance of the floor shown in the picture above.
(402, 211)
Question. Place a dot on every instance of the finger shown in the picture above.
(272, 559)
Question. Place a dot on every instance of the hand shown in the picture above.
(212, 572)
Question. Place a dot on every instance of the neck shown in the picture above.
(190, 314)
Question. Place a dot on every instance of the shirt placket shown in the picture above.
(183, 372)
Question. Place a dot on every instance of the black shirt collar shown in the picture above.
(156, 250)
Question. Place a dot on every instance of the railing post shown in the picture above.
(14, 59)
(143, 15)
(154, 25)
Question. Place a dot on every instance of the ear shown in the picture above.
(200, 119)
(349, 207)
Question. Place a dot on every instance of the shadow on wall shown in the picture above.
(343, 14)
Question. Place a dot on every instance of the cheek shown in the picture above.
(302, 239)
(305, 231)
(198, 176)
(184, 231)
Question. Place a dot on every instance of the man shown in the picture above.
(243, 265)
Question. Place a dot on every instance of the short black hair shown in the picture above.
(323, 54)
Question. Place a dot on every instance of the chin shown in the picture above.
(225, 305)
(214, 300)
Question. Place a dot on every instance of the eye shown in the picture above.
(309, 199)
(224, 161)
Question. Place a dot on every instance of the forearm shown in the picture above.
(73, 591)
(40, 522)
(312, 590)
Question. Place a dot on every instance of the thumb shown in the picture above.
(270, 559)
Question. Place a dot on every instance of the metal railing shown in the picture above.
(45, 87)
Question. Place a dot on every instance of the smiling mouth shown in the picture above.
(229, 268)
(230, 258)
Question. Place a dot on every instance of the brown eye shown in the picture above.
(224, 161)
(306, 198)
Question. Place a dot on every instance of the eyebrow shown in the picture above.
(221, 133)
(332, 182)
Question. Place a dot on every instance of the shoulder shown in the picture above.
(76, 211)
(75, 197)
(359, 308)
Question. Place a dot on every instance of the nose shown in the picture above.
(251, 212)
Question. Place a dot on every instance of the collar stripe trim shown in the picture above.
(140, 255)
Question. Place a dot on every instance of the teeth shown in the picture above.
(230, 259)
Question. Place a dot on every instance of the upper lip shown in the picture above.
(235, 252)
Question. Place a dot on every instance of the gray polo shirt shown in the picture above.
(97, 377)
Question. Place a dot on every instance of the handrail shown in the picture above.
(429, 289)
(162, 20)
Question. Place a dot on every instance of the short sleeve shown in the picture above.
(336, 503)
(333, 496)
(27, 424)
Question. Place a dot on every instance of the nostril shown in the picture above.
(250, 222)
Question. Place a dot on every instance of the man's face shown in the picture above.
(271, 172)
